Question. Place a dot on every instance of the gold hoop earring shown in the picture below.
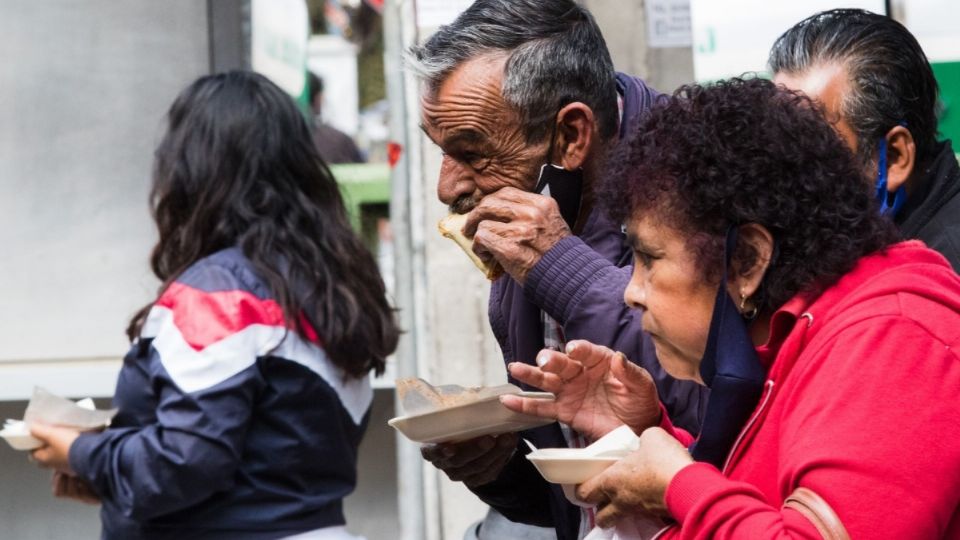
(750, 314)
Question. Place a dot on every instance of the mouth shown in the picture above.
(464, 204)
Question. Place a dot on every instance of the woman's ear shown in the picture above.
(746, 278)
(901, 157)
(576, 133)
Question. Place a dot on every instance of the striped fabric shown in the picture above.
(231, 425)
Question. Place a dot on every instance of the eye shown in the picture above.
(476, 162)
(644, 258)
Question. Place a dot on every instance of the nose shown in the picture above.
(635, 294)
(455, 181)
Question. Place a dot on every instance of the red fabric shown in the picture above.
(205, 318)
(678, 433)
(864, 409)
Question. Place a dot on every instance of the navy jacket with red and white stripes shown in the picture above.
(230, 424)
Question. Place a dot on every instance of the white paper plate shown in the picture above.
(568, 465)
(461, 422)
(18, 436)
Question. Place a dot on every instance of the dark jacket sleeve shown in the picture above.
(519, 493)
(191, 452)
(583, 291)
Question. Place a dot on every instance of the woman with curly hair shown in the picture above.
(766, 272)
(245, 395)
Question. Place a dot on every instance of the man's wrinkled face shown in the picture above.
(480, 135)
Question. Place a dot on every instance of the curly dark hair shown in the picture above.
(747, 151)
(237, 167)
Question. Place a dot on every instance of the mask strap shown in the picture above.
(882, 193)
(547, 162)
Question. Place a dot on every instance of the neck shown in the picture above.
(760, 329)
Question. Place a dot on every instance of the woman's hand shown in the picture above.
(597, 390)
(71, 487)
(55, 453)
(637, 483)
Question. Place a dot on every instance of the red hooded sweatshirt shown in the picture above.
(861, 405)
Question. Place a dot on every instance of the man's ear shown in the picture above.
(901, 157)
(576, 134)
(744, 281)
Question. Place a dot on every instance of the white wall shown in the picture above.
(83, 90)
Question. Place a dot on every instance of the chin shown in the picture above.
(678, 368)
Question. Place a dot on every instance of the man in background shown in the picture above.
(334, 145)
(877, 88)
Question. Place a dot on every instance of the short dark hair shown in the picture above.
(748, 151)
(238, 167)
(557, 55)
(891, 80)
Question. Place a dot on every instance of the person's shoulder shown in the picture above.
(216, 297)
(907, 282)
(225, 270)
(222, 286)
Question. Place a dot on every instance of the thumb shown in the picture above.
(631, 375)
(42, 431)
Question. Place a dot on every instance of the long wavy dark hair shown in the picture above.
(237, 167)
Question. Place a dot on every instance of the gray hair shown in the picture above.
(891, 80)
(555, 55)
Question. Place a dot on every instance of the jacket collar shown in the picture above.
(939, 183)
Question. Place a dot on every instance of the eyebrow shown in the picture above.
(423, 128)
(465, 136)
(469, 136)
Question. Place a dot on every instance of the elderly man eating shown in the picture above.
(522, 98)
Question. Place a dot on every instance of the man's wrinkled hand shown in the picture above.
(516, 228)
(474, 462)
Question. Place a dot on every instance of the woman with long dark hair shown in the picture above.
(246, 392)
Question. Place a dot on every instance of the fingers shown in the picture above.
(42, 432)
(42, 456)
(461, 454)
(535, 377)
(492, 238)
(630, 374)
(71, 487)
(482, 468)
(509, 205)
(544, 408)
(58, 484)
(589, 354)
(489, 209)
(608, 515)
(559, 364)
(591, 491)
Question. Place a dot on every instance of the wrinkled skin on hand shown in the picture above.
(637, 483)
(516, 228)
(597, 390)
(474, 462)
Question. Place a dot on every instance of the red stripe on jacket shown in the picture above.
(204, 318)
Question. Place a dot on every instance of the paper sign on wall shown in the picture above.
(668, 23)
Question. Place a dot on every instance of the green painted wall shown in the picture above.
(948, 77)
